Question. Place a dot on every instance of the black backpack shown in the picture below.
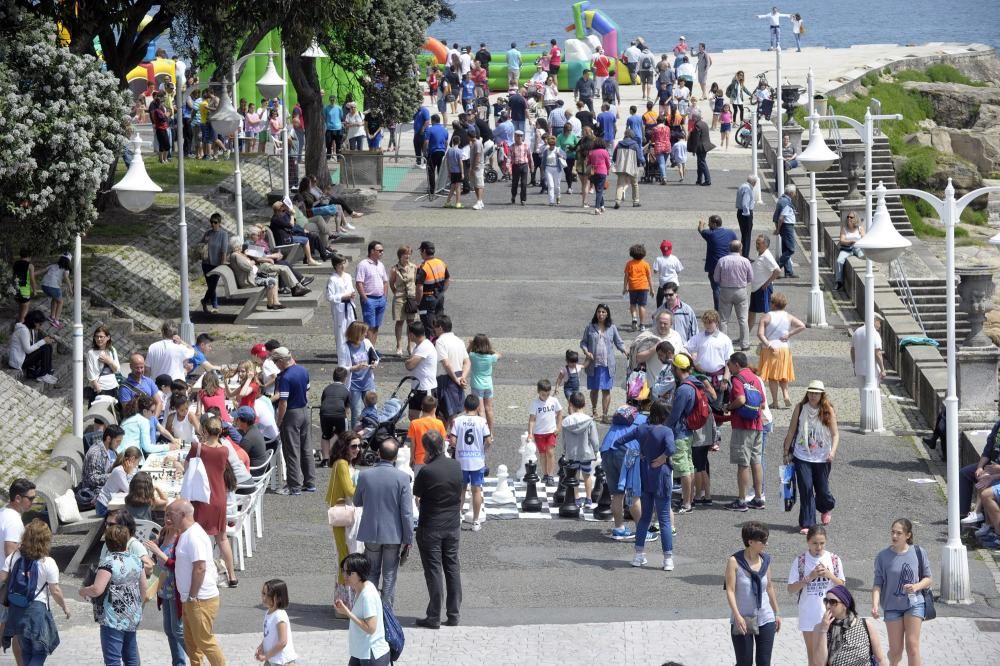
(646, 62)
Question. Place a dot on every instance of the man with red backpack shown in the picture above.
(746, 402)
(689, 414)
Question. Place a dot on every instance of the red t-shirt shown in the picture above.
(601, 65)
(736, 390)
(555, 57)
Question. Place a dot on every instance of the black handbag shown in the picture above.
(929, 611)
(98, 601)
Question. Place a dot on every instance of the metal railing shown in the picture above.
(902, 287)
(834, 128)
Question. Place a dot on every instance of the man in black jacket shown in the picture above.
(438, 489)
(700, 143)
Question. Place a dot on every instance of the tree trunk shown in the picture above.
(306, 81)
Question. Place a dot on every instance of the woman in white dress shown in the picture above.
(340, 294)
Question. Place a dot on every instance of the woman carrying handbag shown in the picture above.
(343, 515)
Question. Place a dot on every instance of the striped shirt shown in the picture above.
(519, 153)
(734, 270)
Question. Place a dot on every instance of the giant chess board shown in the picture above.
(513, 510)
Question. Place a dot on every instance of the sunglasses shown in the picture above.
(354, 446)
(831, 602)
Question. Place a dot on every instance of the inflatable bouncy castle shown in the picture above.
(591, 28)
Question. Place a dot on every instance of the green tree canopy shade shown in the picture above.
(65, 123)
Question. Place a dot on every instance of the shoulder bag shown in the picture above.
(341, 514)
(929, 611)
(195, 487)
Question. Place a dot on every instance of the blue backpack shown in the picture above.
(393, 633)
(750, 409)
(22, 583)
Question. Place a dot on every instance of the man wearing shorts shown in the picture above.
(373, 285)
(333, 404)
(470, 435)
(624, 421)
(422, 364)
(555, 59)
(544, 425)
(746, 448)
(428, 422)
(685, 464)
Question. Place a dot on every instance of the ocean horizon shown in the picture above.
(726, 24)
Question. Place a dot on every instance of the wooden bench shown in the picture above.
(53, 483)
(68, 452)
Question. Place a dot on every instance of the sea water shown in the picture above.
(727, 24)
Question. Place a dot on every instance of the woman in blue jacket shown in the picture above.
(656, 445)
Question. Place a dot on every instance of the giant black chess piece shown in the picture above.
(561, 489)
(531, 503)
(568, 507)
(603, 509)
(600, 480)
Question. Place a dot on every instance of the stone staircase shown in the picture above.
(32, 422)
(929, 297)
(832, 183)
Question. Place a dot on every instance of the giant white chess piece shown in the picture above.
(403, 465)
(503, 494)
(527, 451)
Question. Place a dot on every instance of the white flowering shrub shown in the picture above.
(64, 123)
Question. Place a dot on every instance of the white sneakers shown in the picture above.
(973, 518)
(668, 563)
(477, 525)
(479, 205)
(348, 225)
(639, 560)
(48, 379)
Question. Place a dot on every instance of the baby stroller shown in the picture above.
(375, 431)
(490, 172)
(651, 170)
(481, 105)
(499, 106)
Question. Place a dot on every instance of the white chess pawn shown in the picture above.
(503, 494)
(527, 451)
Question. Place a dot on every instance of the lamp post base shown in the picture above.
(187, 332)
(816, 316)
(871, 409)
(955, 574)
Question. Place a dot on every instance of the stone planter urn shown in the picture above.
(975, 288)
(852, 158)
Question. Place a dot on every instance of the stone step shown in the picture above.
(289, 317)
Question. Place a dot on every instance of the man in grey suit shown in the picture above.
(387, 522)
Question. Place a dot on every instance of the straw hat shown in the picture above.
(816, 386)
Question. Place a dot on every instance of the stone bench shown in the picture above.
(971, 444)
(101, 411)
(68, 452)
(53, 483)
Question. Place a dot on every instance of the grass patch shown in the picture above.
(919, 166)
(917, 210)
(977, 218)
(197, 173)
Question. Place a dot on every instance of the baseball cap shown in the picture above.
(624, 415)
(281, 353)
(683, 38)
(666, 247)
(426, 245)
(246, 413)
(683, 361)
(259, 350)
(519, 132)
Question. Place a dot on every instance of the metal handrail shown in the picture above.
(905, 293)
(834, 128)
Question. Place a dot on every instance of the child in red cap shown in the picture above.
(666, 267)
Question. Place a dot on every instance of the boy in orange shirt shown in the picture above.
(418, 427)
(638, 284)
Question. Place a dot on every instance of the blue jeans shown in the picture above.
(173, 627)
(32, 653)
(661, 159)
(743, 646)
(662, 504)
(119, 647)
(301, 240)
(520, 125)
(373, 309)
(211, 284)
(814, 490)
(763, 450)
(384, 561)
(357, 404)
(787, 233)
(375, 141)
(328, 210)
(775, 42)
(716, 291)
(842, 256)
(598, 180)
(798, 44)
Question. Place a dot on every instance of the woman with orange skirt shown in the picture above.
(774, 331)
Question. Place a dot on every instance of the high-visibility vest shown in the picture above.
(435, 271)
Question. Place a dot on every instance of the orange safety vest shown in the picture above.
(435, 271)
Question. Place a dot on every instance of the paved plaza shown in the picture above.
(560, 591)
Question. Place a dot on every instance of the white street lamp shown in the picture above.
(871, 397)
(816, 157)
(271, 85)
(955, 587)
(779, 167)
(225, 120)
(136, 189)
(314, 51)
(186, 328)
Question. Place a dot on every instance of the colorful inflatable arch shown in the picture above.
(586, 18)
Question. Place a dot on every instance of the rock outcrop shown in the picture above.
(968, 122)
(954, 104)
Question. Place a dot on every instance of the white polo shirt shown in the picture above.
(450, 346)
(710, 351)
(195, 546)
